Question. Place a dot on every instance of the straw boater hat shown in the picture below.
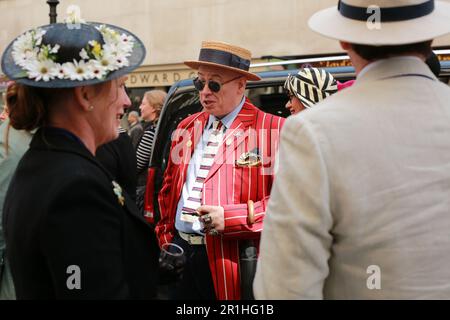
(226, 56)
(401, 21)
(72, 54)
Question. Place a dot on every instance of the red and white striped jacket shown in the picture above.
(228, 185)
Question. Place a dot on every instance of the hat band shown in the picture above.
(387, 14)
(224, 58)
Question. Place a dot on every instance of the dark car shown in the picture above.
(183, 101)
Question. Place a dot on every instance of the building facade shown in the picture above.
(173, 30)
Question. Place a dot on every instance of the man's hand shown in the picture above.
(171, 267)
(212, 217)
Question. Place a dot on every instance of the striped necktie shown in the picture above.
(209, 153)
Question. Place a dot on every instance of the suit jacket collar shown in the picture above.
(228, 120)
(244, 120)
(394, 67)
(55, 140)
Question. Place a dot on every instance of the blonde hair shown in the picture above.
(156, 98)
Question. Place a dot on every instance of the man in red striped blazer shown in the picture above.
(219, 176)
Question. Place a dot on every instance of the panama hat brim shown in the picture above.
(332, 24)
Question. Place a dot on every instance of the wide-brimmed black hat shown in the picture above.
(65, 55)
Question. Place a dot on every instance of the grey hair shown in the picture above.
(134, 113)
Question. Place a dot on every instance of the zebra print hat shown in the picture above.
(311, 85)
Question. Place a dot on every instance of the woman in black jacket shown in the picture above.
(71, 230)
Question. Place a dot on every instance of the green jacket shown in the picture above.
(18, 143)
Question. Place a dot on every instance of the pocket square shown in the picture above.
(249, 159)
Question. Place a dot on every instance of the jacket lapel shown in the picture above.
(235, 136)
(194, 133)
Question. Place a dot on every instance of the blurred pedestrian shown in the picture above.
(4, 109)
(3, 115)
(135, 131)
(13, 145)
(151, 107)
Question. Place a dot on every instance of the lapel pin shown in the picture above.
(118, 192)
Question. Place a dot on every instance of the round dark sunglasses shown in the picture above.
(214, 86)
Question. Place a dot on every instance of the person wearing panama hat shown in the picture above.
(308, 87)
(366, 217)
(71, 231)
(213, 199)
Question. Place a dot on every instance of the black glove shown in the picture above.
(170, 267)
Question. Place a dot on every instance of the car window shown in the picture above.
(177, 108)
(270, 99)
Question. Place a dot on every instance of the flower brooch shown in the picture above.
(118, 192)
(249, 159)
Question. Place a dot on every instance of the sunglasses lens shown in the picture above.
(198, 84)
(214, 86)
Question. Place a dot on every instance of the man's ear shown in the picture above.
(346, 45)
(242, 84)
(82, 95)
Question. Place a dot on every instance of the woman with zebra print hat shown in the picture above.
(308, 87)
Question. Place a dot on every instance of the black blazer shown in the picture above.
(61, 211)
(119, 158)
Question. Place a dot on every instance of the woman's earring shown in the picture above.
(91, 108)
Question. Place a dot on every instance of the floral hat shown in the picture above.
(72, 54)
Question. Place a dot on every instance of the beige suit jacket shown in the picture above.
(360, 208)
